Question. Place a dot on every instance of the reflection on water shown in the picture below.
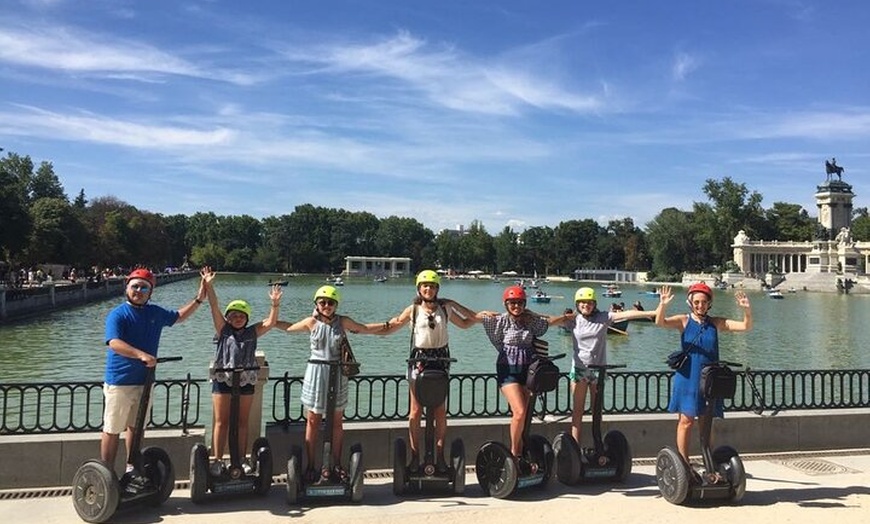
(803, 331)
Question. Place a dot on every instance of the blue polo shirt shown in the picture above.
(141, 328)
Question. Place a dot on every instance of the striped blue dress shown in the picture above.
(325, 340)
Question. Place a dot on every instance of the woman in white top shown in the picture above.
(429, 316)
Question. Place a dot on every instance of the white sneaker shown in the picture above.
(216, 468)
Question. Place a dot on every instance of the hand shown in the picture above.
(275, 293)
(742, 299)
(207, 275)
(148, 360)
(665, 295)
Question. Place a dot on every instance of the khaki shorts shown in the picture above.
(122, 406)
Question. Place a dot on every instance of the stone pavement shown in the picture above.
(781, 488)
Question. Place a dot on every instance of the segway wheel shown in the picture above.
(198, 473)
(400, 457)
(355, 471)
(729, 462)
(672, 475)
(95, 492)
(264, 469)
(617, 448)
(457, 460)
(294, 475)
(158, 468)
(542, 455)
(496, 470)
(259, 442)
(568, 465)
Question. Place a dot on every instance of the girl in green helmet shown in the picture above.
(326, 328)
(429, 316)
(236, 345)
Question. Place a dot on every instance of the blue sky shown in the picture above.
(507, 112)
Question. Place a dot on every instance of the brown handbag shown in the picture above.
(349, 364)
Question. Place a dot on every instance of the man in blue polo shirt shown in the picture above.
(132, 335)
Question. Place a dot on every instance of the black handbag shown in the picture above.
(718, 381)
(678, 359)
(543, 376)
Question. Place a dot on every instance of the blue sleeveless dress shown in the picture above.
(702, 342)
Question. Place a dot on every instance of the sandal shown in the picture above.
(339, 473)
(310, 476)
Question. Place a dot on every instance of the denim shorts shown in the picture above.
(223, 388)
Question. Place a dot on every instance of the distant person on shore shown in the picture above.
(429, 316)
(513, 334)
(236, 346)
(699, 335)
(589, 329)
(326, 328)
(132, 335)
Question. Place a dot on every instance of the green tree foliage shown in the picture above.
(39, 224)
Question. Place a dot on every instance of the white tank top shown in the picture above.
(430, 330)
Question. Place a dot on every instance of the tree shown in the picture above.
(535, 244)
(45, 184)
(732, 208)
(575, 245)
(57, 232)
(671, 240)
(506, 250)
(14, 217)
(789, 222)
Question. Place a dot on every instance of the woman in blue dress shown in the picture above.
(699, 335)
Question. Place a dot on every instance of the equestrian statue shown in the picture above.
(831, 168)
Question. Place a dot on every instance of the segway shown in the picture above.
(608, 460)
(498, 474)
(232, 478)
(430, 387)
(327, 486)
(96, 490)
(723, 476)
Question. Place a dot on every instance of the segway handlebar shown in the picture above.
(727, 363)
(414, 360)
(330, 362)
(168, 359)
(238, 368)
(606, 366)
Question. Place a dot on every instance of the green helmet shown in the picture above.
(427, 276)
(327, 292)
(584, 293)
(238, 305)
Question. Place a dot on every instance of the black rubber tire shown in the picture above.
(198, 473)
(672, 475)
(617, 448)
(736, 475)
(542, 454)
(355, 471)
(568, 465)
(264, 469)
(294, 472)
(95, 491)
(259, 442)
(400, 472)
(158, 468)
(496, 470)
(457, 462)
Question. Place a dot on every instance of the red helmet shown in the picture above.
(514, 293)
(144, 274)
(700, 287)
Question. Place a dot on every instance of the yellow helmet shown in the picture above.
(427, 276)
(585, 293)
(238, 305)
(327, 292)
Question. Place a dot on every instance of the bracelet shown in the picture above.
(386, 325)
(276, 304)
(198, 301)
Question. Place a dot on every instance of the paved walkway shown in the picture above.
(821, 487)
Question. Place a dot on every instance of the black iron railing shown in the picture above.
(78, 406)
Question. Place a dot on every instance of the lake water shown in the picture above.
(803, 331)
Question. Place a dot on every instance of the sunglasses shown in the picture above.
(140, 288)
(431, 321)
(326, 302)
(516, 302)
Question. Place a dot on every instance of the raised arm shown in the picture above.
(217, 318)
(560, 319)
(395, 323)
(269, 322)
(665, 297)
(746, 323)
(376, 328)
(633, 315)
